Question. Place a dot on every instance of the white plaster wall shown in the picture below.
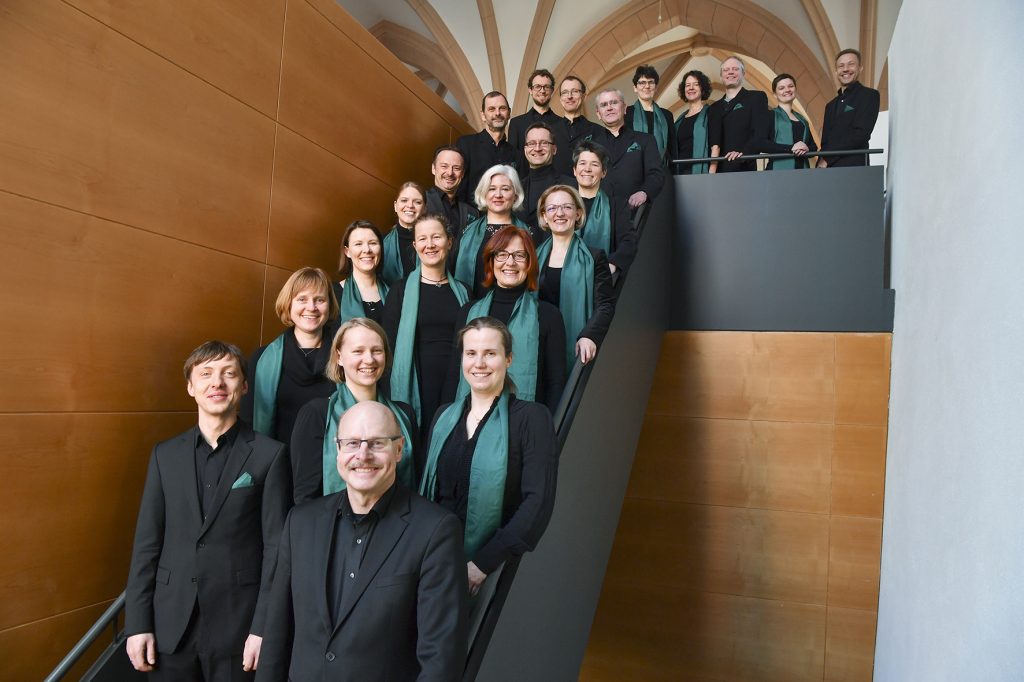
(845, 18)
(951, 605)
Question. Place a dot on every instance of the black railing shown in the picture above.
(785, 155)
(563, 418)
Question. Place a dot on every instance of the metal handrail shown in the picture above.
(781, 155)
(109, 618)
(563, 418)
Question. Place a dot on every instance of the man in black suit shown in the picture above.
(541, 85)
(371, 582)
(740, 123)
(212, 511)
(442, 199)
(486, 148)
(851, 116)
(635, 173)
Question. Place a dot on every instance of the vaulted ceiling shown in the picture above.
(463, 49)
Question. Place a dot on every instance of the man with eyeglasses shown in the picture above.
(741, 118)
(572, 92)
(542, 86)
(645, 116)
(370, 581)
(540, 150)
(635, 172)
(486, 148)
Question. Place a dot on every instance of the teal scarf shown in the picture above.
(341, 400)
(352, 300)
(486, 475)
(524, 325)
(392, 270)
(700, 140)
(268, 376)
(784, 135)
(660, 125)
(405, 385)
(576, 291)
(469, 248)
(597, 231)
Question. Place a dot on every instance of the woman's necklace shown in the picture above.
(435, 282)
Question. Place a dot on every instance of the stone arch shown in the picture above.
(735, 25)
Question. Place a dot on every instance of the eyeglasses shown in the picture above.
(645, 83)
(555, 208)
(378, 444)
(533, 144)
(575, 92)
(517, 256)
(538, 86)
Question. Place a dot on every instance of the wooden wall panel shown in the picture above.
(324, 74)
(703, 635)
(232, 44)
(766, 465)
(32, 650)
(271, 324)
(147, 144)
(746, 375)
(726, 550)
(123, 304)
(749, 542)
(97, 463)
(850, 645)
(316, 194)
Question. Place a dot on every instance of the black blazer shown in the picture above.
(740, 125)
(225, 563)
(849, 120)
(406, 616)
(635, 163)
(670, 143)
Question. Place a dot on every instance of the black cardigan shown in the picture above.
(529, 484)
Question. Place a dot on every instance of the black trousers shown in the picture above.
(190, 662)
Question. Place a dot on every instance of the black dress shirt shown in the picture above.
(352, 535)
(210, 463)
(849, 120)
(635, 164)
(535, 182)
(480, 152)
(517, 138)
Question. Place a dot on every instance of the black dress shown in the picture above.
(307, 446)
(435, 331)
(302, 380)
(529, 483)
(551, 369)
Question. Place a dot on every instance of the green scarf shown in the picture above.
(392, 270)
(660, 125)
(352, 300)
(700, 140)
(486, 475)
(524, 325)
(597, 231)
(576, 291)
(469, 248)
(341, 400)
(784, 135)
(405, 385)
(268, 376)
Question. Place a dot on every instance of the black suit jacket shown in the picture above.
(635, 164)
(225, 562)
(742, 124)
(849, 120)
(404, 618)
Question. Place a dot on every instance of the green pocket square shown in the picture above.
(847, 108)
(633, 148)
(244, 481)
(738, 106)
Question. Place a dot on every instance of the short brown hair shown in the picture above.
(334, 371)
(499, 242)
(214, 350)
(300, 280)
(855, 52)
